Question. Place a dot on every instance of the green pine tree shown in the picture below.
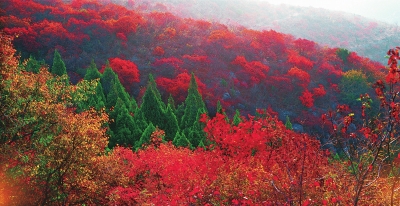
(34, 65)
(170, 125)
(107, 79)
(171, 102)
(152, 108)
(123, 126)
(194, 108)
(58, 67)
(180, 140)
(92, 72)
(145, 138)
(236, 118)
(221, 110)
(193, 103)
(288, 124)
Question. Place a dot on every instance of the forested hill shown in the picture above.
(243, 68)
(332, 28)
(102, 105)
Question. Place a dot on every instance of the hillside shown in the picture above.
(335, 29)
(103, 105)
(245, 69)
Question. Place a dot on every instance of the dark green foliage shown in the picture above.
(112, 96)
(236, 118)
(194, 107)
(123, 126)
(180, 140)
(343, 54)
(106, 79)
(221, 110)
(171, 102)
(352, 84)
(96, 100)
(92, 72)
(201, 145)
(193, 104)
(33, 65)
(170, 125)
(58, 67)
(288, 124)
(153, 86)
(152, 108)
(145, 138)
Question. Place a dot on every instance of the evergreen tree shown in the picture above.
(58, 67)
(194, 107)
(152, 108)
(92, 72)
(153, 86)
(171, 102)
(34, 65)
(170, 125)
(123, 126)
(201, 145)
(236, 118)
(288, 124)
(193, 103)
(145, 138)
(97, 99)
(221, 110)
(107, 79)
(180, 140)
(112, 96)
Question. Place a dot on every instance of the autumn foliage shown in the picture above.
(111, 137)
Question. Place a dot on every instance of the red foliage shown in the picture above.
(299, 61)
(197, 58)
(158, 51)
(307, 99)
(302, 76)
(178, 87)
(319, 91)
(127, 71)
(253, 72)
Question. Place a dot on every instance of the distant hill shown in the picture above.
(243, 68)
(335, 29)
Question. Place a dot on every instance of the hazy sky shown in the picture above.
(381, 10)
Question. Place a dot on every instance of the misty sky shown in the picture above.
(381, 10)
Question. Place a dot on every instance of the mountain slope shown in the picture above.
(245, 69)
(335, 29)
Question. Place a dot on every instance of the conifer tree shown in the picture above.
(106, 79)
(180, 140)
(194, 107)
(171, 102)
(153, 86)
(92, 72)
(201, 145)
(221, 110)
(112, 96)
(288, 124)
(34, 65)
(123, 126)
(145, 138)
(236, 118)
(170, 125)
(96, 100)
(152, 108)
(193, 103)
(58, 67)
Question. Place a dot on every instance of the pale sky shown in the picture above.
(382, 10)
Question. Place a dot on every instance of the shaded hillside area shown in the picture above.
(335, 29)
(242, 68)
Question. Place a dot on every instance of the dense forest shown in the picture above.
(106, 104)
